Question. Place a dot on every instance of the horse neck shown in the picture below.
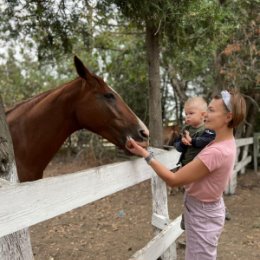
(40, 126)
(56, 112)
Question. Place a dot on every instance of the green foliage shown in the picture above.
(240, 64)
(22, 79)
(204, 28)
(121, 51)
(137, 11)
(52, 26)
(102, 40)
(192, 32)
(130, 76)
(109, 38)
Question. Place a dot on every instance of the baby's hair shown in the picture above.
(198, 101)
(238, 105)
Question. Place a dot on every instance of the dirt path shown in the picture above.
(115, 227)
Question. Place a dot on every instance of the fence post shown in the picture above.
(17, 245)
(231, 187)
(256, 151)
(160, 207)
(244, 155)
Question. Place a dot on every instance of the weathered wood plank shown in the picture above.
(17, 245)
(244, 141)
(240, 165)
(244, 156)
(33, 202)
(160, 221)
(231, 188)
(159, 244)
(160, 207)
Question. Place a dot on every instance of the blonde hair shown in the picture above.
(238, 105)
(197, 101)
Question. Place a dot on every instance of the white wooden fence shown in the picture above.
(33, 202)
(244, 157)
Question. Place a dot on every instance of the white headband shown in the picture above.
(227, 99)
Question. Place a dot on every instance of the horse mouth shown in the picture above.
(123, 146)
(143, 144)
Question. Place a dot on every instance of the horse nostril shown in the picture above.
(144, 134)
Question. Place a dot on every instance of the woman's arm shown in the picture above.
(204, 139)
(191, 172)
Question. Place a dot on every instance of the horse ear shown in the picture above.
(82, 71)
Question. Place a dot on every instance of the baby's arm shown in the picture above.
(179, 145)
(204, 139)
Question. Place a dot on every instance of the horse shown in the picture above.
(40, 125)
(170, 133)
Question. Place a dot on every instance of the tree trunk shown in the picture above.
(88, 34)
(155, 125)
(155, 108)
(17, 245)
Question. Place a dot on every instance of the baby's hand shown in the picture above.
(187, 136)
(186, 139)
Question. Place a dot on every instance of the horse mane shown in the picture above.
(35, 99)
(29, 101)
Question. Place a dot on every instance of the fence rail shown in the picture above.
(33, 202)
(243, 159)
(26, 204)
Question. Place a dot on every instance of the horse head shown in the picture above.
(101, 110)
(41, 124)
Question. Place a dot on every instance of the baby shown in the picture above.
(194, 137)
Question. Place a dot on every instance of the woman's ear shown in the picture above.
(229, 117)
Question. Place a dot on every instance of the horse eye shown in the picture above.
(109, 96)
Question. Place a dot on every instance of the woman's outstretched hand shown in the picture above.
(135, 148)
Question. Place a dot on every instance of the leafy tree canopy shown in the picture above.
(199, 40)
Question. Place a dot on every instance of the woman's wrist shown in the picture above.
(149, 157)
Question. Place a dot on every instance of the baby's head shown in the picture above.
(195, 109)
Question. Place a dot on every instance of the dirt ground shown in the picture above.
(115, 227)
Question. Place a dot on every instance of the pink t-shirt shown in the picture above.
(219, 158)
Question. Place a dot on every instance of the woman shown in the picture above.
(206, 176)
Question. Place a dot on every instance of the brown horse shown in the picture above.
(170, 133)
(40, 125)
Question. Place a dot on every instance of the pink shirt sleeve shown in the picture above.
(211, 157)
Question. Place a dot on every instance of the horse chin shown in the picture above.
(143, 144)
